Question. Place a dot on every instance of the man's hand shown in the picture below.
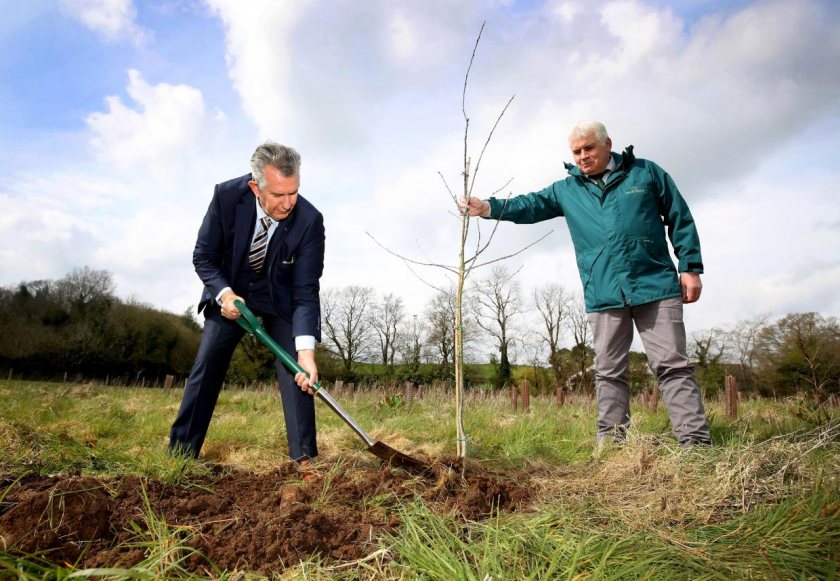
(306, 359)
(691, 286)
(229, 310)
(475, 207)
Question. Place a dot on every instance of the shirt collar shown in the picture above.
(607, 171)
(261, 213)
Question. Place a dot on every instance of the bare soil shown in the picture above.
(237, 520)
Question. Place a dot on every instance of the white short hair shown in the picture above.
(584, 128)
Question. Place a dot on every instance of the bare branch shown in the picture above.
(451, 193)
(507, 183)
(421, 279)
(471, 260)
(467, 76)
(478, 251)
(408, 263)
(493, 231)
(405, 259)
(486, 143)
(520, 251)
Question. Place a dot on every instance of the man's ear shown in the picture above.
(254, 187)
(608, 143)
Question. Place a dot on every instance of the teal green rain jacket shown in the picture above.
(618, 233)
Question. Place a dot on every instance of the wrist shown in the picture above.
(220, 298)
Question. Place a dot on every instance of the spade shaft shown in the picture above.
(249, 322)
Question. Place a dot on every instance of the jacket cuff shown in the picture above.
(219, 296)
(495, 209)
(304, 342)
(695, 267)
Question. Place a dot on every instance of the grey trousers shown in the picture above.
(661, 328)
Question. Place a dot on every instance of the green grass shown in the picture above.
(559, 542)
(761, 503)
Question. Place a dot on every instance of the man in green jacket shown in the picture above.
(618, 208)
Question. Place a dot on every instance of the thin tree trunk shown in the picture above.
(461, 446)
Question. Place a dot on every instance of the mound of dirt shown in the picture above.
(249, 522)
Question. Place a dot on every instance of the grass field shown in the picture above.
(761, 503)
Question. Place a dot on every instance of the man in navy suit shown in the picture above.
(261, 242)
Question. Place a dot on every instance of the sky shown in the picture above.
(117, 117)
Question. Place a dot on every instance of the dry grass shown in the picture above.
(652, 482)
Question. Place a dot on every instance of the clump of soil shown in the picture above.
(237, 520)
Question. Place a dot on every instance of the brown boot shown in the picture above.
(307, 471)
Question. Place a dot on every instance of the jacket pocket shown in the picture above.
(655, 251)
(586, 264)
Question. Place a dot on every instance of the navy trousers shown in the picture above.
(218, 341)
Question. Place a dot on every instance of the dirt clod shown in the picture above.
(237, 520)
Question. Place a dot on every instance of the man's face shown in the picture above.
(591, 156)
(280, 194)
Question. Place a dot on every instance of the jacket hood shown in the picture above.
(622, 162)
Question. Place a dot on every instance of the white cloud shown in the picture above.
(134, 209)
(48, 223)
(681, 92)
(564, 10)
(766, 249)
(114, 20)
(642, 32)
(169, 127)
(701, 101)
(259, 55)
(739, 106)
(404, 38)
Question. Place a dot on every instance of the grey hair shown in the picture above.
(584, 128)
(282, 157)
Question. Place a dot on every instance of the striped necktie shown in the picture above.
(256, 256)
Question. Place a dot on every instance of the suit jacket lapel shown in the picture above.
(277, 239)
(246, 215)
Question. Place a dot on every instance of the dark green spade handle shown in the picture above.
(249, 322)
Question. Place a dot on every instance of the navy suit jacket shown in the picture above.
(294, 261)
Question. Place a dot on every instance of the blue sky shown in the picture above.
(118, 116)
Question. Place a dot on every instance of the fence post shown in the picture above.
(731, 391)
(167, 383)
(409, 392)
(514, 393)
(654, 396)
(525, 389)
(561, 396)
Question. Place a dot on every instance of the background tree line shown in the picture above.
(76, 325)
